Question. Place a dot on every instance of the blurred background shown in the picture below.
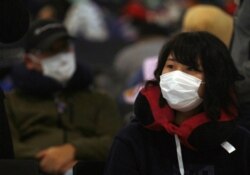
(113, 37)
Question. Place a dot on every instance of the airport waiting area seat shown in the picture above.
(31, 167)
(89, 168)
(18, 167)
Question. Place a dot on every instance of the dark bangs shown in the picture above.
(188, 53)
(186, 50)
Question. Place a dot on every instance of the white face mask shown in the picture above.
(180, 90)
(60, 67)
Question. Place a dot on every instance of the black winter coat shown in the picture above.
(144, 149)
(6, 147)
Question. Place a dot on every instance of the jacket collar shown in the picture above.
(198, 126)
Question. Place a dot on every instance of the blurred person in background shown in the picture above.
(153, 23)
(129, 60)
(150, 39)
(210, 18)
(230, 6)
(47, 9)
(240, 50)
(218, 3)
(85, 18)
(98, 35)
(134, 85)
(54, 114)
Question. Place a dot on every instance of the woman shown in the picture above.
(185, 119)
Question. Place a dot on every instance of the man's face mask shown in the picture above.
(180, 90)
(60, 67)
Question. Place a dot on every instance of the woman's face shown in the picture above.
(172, 65)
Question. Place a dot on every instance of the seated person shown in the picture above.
(54, 116)
(185, 118)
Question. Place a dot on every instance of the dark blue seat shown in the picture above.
(89, 168)
(18, 167)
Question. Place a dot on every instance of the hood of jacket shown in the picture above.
(36, 84)
(197, 132)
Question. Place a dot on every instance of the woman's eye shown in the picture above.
(194, 69)
(191, 68)
(170, 66)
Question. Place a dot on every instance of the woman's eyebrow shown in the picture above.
(170, 58)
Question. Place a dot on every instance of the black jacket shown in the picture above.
(6, 147)
(147, 146)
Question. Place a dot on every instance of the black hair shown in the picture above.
(59, 45)
(220, 73)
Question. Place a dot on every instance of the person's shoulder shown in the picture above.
(131, 133)
(97, 95)
(241, 136)
(92, 92)
(135, 131)
(15, 99)
(18, 97)
(131, 128)
(13, 94)
(243, 132)
(93, 97)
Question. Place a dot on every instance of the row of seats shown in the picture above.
(30, 167)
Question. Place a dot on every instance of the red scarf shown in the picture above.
(164, 116)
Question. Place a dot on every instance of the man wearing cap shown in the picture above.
(54, 116)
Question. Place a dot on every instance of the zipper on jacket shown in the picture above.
(61, 107)
(179, 154)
